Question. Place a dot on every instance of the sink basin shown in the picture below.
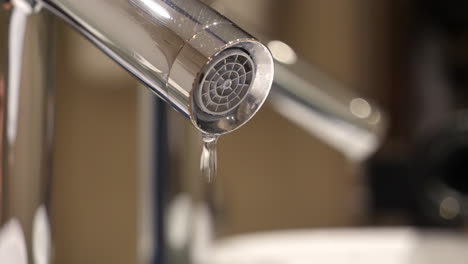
(336, 246)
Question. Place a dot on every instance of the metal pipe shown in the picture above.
(27, 135)
(210, 70)
(334, 113)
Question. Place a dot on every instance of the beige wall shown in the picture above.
(94, 187)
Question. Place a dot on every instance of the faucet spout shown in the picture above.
(207, 68)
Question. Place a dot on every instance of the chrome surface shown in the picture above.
(167, 45)
(327, 109)
(27, 132)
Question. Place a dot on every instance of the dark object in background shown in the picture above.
(428, 187)
(428, 182)
(439, 169)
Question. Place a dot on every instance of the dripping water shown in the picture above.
(209, 159)
(211, 192)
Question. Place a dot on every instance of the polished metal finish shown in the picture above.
(168, 44)
(27, 134)
(334, 113)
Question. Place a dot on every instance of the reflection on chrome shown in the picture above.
(41, 240)
(282, 52)
(28, 119)
(153, 8)
(16, 37)
(360, 108)
(12, 243)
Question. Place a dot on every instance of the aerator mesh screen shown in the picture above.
(226, 82)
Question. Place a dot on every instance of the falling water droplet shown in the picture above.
(208, 161)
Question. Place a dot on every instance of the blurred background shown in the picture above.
(409, 57)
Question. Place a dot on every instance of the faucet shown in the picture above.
(199, 62)
(207, 68)
(193, 58)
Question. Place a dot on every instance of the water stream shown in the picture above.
(209, 159)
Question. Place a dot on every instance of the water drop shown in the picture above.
(208, 161)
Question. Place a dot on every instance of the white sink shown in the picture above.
(343, 246)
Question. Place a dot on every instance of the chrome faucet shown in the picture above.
(195, 59)
(207, 68)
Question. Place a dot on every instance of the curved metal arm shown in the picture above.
(169, 45)
(324, 107)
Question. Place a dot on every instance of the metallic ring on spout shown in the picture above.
(194, 63)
